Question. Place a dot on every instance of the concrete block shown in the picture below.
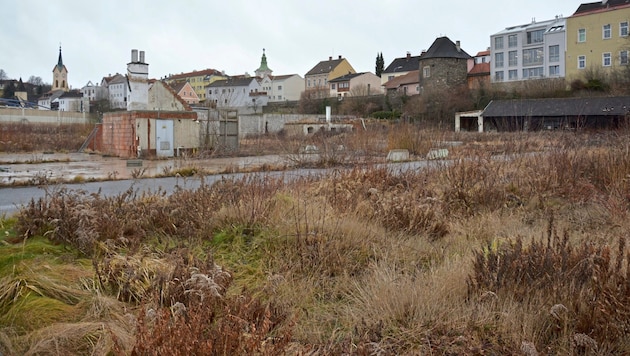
(134, 163)
(398, 155)
(437, 153)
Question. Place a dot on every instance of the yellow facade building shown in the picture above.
(198, 80)
(597, 38)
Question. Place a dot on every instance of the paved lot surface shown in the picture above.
(83, 166)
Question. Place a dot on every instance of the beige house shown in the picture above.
(318, 77)
(163, 97)
(186, 92)
(406, 84)
(281, 88)
(356, 84)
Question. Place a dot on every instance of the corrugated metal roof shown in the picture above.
(559, 107)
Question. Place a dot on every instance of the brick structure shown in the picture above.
(123, 132)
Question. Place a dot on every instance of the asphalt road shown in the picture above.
(13, 198)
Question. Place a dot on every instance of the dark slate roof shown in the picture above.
(325, 66)
(592, 106)
(404, 64)
(443, 47)
(72, 94)
(345, 78)
(231, 82)
(594, 6)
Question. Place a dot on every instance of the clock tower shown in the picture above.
(60, 75)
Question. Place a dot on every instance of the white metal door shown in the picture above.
(164, 138)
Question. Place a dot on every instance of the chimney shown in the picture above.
(339, 56)
(408, 54)
(134, 55)
(141, 56)
(458, 46)
(330, 58)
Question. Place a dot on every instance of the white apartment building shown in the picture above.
(530, 51)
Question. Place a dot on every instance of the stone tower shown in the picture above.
(60, 75)
(138, 81)
(263, 69)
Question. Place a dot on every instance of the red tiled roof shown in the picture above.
(409, 78)
(195, 73)
(483, 53)
(480, 69)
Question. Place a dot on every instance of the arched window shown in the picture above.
(56, 84)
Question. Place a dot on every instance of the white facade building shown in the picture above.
(94, 92)
(281, 88)
(118, 89)
(530, 51)
(237, 93)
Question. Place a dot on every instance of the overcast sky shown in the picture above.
(185, 35)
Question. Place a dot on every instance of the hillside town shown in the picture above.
(585, 54)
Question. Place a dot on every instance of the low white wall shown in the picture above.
(43, 116)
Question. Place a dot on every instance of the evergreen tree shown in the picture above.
(380, 64)
(9, 90)
(21, 86)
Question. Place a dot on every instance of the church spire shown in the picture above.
(60, 61)
(264, 68)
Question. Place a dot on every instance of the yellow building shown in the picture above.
(198, 80)
(597, 38)
(325, 71)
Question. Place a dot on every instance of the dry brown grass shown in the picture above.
(16, 137)
(517, 246)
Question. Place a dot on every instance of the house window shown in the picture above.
(554, 71)
(498, 43)
(554, 53)
(535, 36)
(533, 56)
(309, 83)
(606, 59)
(279, 87)
(426, 71)
(512, 58)
(332, 86)
(532, 72)
(513, 74)
(606, 31)
(582, 35)
(623, 29)
(390, 77)
(498, 60)
(581, 62)
(512, 41)
(498, 76)
(623, 58)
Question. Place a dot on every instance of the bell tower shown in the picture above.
(60, 75)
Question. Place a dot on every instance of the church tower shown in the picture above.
(263, 69)
(60, 75)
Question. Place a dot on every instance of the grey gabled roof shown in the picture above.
(325, 66)
(346, 77)
(231, 82)
(404, 64)
(443, 47)
(559, 107)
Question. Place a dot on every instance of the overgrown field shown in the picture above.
(518, 245)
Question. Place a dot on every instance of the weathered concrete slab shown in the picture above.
(398, 155)
(437, 153)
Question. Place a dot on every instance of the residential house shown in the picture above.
(318, 77)
(399, 67)
(186, 92)
(50, 100)
(479, 74)
(444, 65)
(118, 87)
(355, 84)
(406, 85)
(198, 80)
(242, 93)
(73, 101)
(164, 97)
(597, 38)
(531, 51)
(94, 92)
(283, 87)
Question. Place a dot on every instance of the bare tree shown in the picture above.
(3, 75)
(35, 80)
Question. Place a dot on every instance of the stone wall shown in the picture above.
(44, 116)
(444, 73)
